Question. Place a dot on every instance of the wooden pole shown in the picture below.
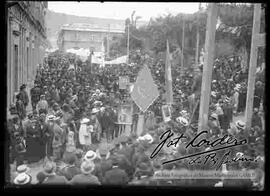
(197, 41)
(208, 66)
(140, 124)
(128, 44)
(108, 42)
(183, 44)
(252, 65)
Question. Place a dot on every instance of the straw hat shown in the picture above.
(182, 120)
(213, 93)
(23, 168)
(240, 124)
(90, 155)
(227, 99)
(22, 179)
(51, 117)
(87, 167)
(94, 110)
(85, 120)
(149, 138)
(214, 115)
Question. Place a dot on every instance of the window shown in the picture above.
(16, 53)
(92, 37)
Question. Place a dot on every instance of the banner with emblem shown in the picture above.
(125, 114)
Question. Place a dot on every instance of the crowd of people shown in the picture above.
(75, 111)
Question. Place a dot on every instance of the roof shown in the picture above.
(113, 28)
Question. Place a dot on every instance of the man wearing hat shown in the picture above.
(22, 179)
(96, 134)
(24, 95)
(104, 165)
(115, 176)
(20, 106)
(42, 104)
(86, 177)
(58, 139)
(52, 177)
(35, 93)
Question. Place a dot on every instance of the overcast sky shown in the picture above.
(121, 10)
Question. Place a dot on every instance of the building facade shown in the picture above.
(26, 43)
(87, 36)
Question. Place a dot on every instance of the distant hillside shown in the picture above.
(56, 20)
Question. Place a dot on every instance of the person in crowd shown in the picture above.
(55, 94)
(70, 144)
(70, 170)
(24, 95)
(85, 137)
(35, 93)
(86, 177)
(51, 177)
(94, 126)
(21, 110)
(42, 105)
(33, 137)
(41, 177)
(59, 138)
(22, 179)
(256, 119)
(115, 176)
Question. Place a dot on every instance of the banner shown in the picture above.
(125, 114)
(168, 77)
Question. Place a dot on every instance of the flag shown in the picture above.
(168, 77)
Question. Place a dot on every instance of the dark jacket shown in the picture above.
(60, 180)
(24, 97)
(70, 171)
(84, 179)
(116, 176)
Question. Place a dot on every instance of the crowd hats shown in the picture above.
(227, 99)
(85, 120)
(94, 111)
(22, 179)
(214, 115)
(23, 168)
(183, 121)
(51, 117)
(237, 87)
(87, 167)
(240, 124)
(213, 93)
(90, 155)
(49, 169)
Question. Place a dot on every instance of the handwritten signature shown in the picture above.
(225, 142)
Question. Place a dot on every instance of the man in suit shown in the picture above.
(86, 177)
(52, 177)
(115, 176)
(35, 93)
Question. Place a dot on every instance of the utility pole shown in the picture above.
(183, 43)
(208, 66)
(108, 42)
(258, 39)
(128, 43)
(198, 41)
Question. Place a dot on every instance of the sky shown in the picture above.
(121, 10)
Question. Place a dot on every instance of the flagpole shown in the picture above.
(128, 43)
(198, 41)
(183, 43)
